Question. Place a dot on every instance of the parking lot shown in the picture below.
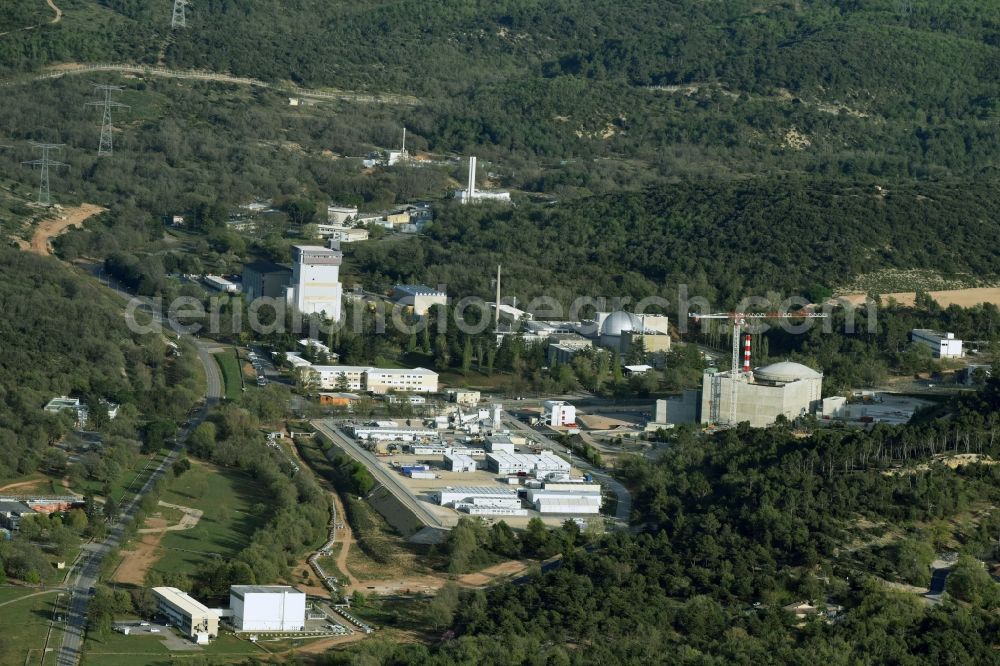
(165, 634)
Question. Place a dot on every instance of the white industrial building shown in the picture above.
(419, 297)
(459, 462)
(485, 508)
(780, 389)
(221, 284)
(567, 503)
(316, 284)
(346, 234)
(500, 443)
(385, 433)
(193, 618)
(466, 397)
(479, 494)
(267, 608)
(558, 413)
(537, 465)
(942, 345)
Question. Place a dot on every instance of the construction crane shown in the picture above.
(739, 321)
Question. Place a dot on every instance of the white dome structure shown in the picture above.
(620, 322)
(785, 371)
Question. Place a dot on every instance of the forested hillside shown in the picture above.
(751, 520)
(64, 336)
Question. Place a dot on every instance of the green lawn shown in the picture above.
(229, 499)
(25, 619)
(149, 650)
(231, 373)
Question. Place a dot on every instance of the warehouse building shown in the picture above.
(383, 433)
(499, 443)
(459, 462)
(267, 608)
(193, 618)
(537, 465)
(265, 279)
(942, 345)
(419, 297)
(481, 494)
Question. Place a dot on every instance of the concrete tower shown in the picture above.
(316, 280)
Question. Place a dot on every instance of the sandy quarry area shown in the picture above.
(48, 229)
(962, 297)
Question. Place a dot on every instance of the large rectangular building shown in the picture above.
(404, 380)
(267, 608)
(942, 345)
(265, 279)
(539, 466)
(193, 618)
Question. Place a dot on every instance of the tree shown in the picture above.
(110, 509)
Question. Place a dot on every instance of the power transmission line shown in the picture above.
(43, 185)
(106, 146)
(179, 18)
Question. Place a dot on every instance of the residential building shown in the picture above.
(190, 616)
(267, 608)
(942, 345)
(410, 380)
(265, 279)
(316, 284)
(419, 297)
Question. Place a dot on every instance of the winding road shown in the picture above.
(88, 569)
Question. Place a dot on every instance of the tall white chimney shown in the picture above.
(471, 190)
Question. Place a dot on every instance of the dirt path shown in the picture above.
(49, 229)
(28, 596)
(21, 484)
(965, 298)
(188, 520)
(346, 538)
(328, 94)
(56, 10)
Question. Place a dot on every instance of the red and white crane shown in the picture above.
(739, 321)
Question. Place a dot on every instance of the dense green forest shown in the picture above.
(742, 523)
(65, 336)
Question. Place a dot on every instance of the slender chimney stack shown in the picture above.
(496, 319)
(471, 190)
(746, 354)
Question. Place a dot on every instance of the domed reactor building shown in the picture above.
(788, 389)
(620, 331)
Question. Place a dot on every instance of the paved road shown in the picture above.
(384, 476)
(89, 567)
(623, 509)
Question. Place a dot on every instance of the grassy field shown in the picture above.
(231, 374)
(118, 649)
(229, 500)
(25, 615)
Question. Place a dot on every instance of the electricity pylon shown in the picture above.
(107, 145)
(179, 18)
(43, 185)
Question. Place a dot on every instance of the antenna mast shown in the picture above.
(106, 146)
(44, 199)
(179, 17)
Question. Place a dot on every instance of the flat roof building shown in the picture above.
(537, 465)
(267, 608)
(193, 618)
(316, 284)
(478, 495)
(459, 462)
(419, 297)
(942, 345)
(265, 279)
